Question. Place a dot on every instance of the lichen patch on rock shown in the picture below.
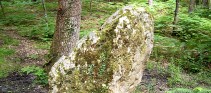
(110, 60)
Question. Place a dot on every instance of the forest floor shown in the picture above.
(26, 49)
(24, 83)
(19, 82)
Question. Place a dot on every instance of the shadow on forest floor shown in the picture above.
(20, 83)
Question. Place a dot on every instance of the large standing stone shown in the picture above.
(109, 61)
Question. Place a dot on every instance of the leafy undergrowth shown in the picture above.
(195, 90)
(164, 71)
(41, 75)
(184, 57)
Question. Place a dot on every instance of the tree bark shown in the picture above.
(197, 2)
(175, 17)
(90, 6)
(67, 29)
(205, 3)
(2, 8)
(192, 4)
(45, 12)
(44, 8)
(209, 4)
(150, 2)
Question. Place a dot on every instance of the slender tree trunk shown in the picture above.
(175, 17)
(192, 4)
(150, 2)
(90, 6)
(45, 12)
(67, 29)
(209, 4)
(2, 8)
(205, 3)
(44, 8)
(197, 2)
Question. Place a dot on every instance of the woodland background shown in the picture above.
(180, 61)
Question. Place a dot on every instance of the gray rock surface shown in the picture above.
(110, 60)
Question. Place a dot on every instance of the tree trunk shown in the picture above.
(90, 6)
(44, 8)
(192, 4)
(67, 29)
(197, 2)
(175, 17)
(205, 3)
(209, 4)
(150, 2)
(45, 12)
(2, 8)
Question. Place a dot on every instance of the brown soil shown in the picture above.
(152, 82)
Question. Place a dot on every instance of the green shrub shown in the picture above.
(166, 47)
(197, 55)
(18, 19)
(6, 66)
(184, 90)
(180, 90)
(206, 13)
(50, 6)
(175, 74)
(192, 27)
(163, 24)
(195, 32)
(43, 31)
(41, 75)
(203, 77)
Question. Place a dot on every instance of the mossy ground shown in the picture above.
(6, 53)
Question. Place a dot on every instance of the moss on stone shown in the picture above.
(97, 63)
